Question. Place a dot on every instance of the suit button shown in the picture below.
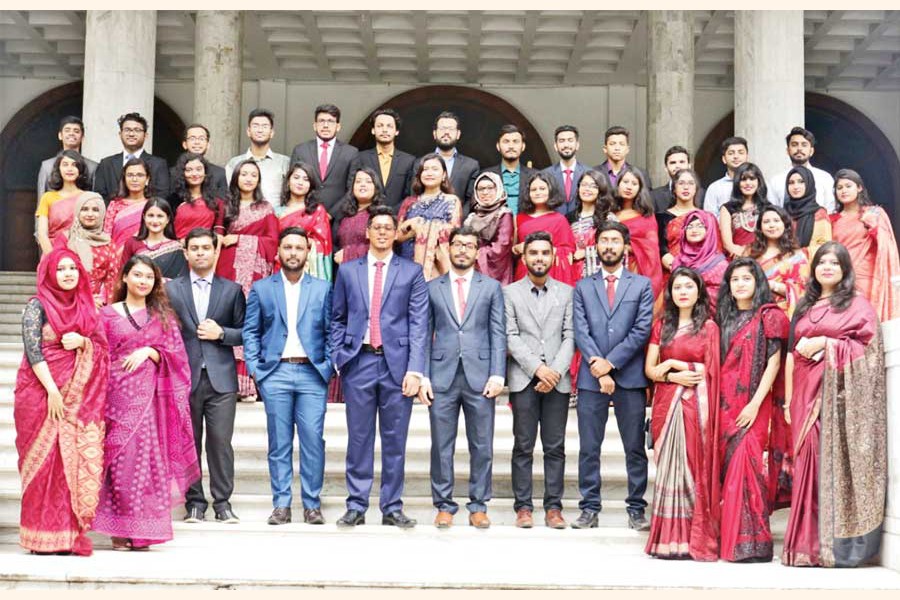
(610, 330)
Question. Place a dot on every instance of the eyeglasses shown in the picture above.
(464, 246)
(326, 121)
(445, 128)
(260, 127)
(197, 138)
(485, 188)
(135, 175)
(588, 185)
(385, 228)
(132, 130)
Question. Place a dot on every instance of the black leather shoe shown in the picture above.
(586, 520)
(313, 516)
(226, 515)
(637, 521)
(352, 518)
(398, 519)
(194, 515)
(280, 516)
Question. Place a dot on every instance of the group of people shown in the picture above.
(749, 318)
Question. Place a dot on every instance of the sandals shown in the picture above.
(126, 545)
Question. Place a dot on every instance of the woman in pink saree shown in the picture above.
(59, 397)
(123, 215)
(56, 208)
(835, 402)
(150, 459)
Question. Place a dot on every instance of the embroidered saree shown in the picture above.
(793, 272)
(440, 215)
(318, 226)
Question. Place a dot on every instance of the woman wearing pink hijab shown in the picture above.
(701, 251)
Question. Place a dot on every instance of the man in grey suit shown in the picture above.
(568, 170)
(70, 135)
(464, 367)
(541, 344)
(211, 312)
(330, 157)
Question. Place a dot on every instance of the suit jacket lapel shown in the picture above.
(474, 293)
(187, 296)
(621, 289)
(215, 292)
(525, 290)
(392, 171)
(391, 277)
(362, 275)
(280, 300)
(448, 298)
(304, 298)
(335, 155)
(600, 288)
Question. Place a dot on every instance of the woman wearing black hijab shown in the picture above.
(811, 224)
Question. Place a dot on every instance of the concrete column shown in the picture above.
(217, 80)
(119, 75)
(768, 83)
(670, 94)
(890, 545)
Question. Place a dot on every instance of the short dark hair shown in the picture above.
(564, 128)
(132, 116)
(201, 232)
(676, 150)
(615, 226)
(526, 206)
(446, 114)
(381, 211)
(293, 231)
(261, 112)
(806, 133)
(616, 130)
(390, 112)
(195, 126)
(733, 141)
(71, 120)
(328, 109)
(537, 236)
(461, 230)
(510, 128)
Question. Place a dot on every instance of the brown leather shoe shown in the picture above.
(443, 520)
(524, 519)
(554, 519)
(479, 520)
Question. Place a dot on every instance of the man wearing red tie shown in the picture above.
(568, 170)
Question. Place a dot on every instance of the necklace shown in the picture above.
(129, 317)
(822, 316)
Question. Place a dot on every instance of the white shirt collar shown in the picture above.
(468, 275)
(386, 260)
(195, 277)
(618, 273)
(287, 281)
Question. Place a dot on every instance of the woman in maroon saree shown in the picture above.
(633, 208)
(150, 458)
(835, 402)
(59, 397)
(537, 212)
(123, 215)
(751, 399)
(683, 360)
(198, 206)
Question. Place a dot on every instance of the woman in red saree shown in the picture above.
(701, 251)
(248, 249)
(56, 208)
(150, 458)
(751, 399)
(835, 402)
(633, 208)
(123, 215)
(87, 239)
(537, 212)
(156, 239)
(775, 249)
(683, 360)
(300, 208)
(350, 233)
(59, 398)
(194, 188)
(738, 216)
(865, 230)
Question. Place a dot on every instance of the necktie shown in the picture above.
(461, 297)
(323, 161)
(375, 307)
(128, 157)
(611, 290)
(202, 298)
(568, 183)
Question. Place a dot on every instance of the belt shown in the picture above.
(370, 348)
(297, 360)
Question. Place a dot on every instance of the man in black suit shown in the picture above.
(330, 157)
(196, 140)
(394, 166)
(462, 170)
(568, 170)
(132, 132)
(211, 312)
(515, 175)
(676, 159)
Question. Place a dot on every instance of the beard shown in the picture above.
(566, 154)
(798, 161)
(463, 264)
(446, 146)
(538, 270)
(289, 269)
(606, 261)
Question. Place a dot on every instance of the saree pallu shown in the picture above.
(193, 214)
(793, 272)
(123, 220)
(60, 216)
(563, 242)
(644, 257)
(318, 227)
(743, 227)
(838, 422)
(150, 458)
(61, 462)
(585, 234)
(756, 460)
(684, 423)
(351, 236)
(168, 255)
(441, 215)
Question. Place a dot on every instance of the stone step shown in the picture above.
(16, 288)
(18, 277)
(15, 298)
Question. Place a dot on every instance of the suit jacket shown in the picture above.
(109, 172)
(43, 180)
(556, 170)
(404, 315)
(662, 196)
(525, 174)
(462, 178)
(226, 307)
(334, 187)
(399, 178)
(265, 327)
(530, 335)
(216, 176)
(619, 334)
(479, 341)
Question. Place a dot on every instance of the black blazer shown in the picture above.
(216, 175)
(109, 172)
(465, 170)
(226, 307)
(399, 178)
(335, 185)
(525, 174)
(662, 197)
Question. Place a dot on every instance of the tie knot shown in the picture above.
(611, 278)
(460, 281)
(379, 264)
(202, 282)
(324, 145)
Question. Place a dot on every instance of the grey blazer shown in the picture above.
(529, 334)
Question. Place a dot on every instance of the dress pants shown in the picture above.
(593, 412)
(444, 418)
(370, 391)
(294, 397)
(550, 410)
(218, 412)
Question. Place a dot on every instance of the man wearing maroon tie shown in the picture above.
(568, 170)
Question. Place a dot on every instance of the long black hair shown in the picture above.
(56, 181)
(349, 203)
(760, 197)
(169, 230)
(673, 200)
(206, 188)
(843, 293)
(862, 199)
(234, 191)
(604, 197)
(699, 314)
(642, 202)
(787, 243)
(418, 188)
(157, 300)
(726, 306)
(554, 199)
(312, 197)
(148, 185)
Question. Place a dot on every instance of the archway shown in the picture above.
(29, 138)
(481, 114)
(845, 138)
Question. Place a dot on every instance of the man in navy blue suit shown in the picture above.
(612, 313)
(568, 170)
(378, 334)
(288, 353)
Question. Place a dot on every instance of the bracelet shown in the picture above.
(666, 377)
